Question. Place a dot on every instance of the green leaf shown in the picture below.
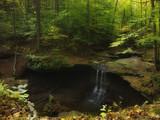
(103, 114)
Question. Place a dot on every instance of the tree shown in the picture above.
(56, 7)
(38, 24)
(88, 18)
(156, 56)
(123, 18)
(115, 11)
(159, 17)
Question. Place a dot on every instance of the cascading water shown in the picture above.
(81, 88)
(99, 90)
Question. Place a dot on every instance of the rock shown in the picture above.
(98, 49)
(129, 54)
(129, 66)
(134, 70)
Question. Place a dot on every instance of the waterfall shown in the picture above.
(98, 90)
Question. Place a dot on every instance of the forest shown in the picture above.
(80, 59)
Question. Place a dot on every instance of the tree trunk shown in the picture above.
(56, 7)
(26, 10)
(145, 16)
(38, 24)
(88, 19)
(156, 52)
(141, 14)
(115, 11)
(14, 21)
(14, 28)
(145, 26)
(153, 16)
(159, 17)
(131, 9)
(123, 21)
(154, 32)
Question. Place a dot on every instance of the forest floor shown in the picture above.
(141, 83)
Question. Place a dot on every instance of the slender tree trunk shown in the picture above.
(26, 10)
(14, 21)
(123, 21)
(115, 11)
(131, 10)
(14, 28)
(145, 26)
(141, 14)
(156, 52)
(154, 32)
(146, 15)
(38, 24)
(153, 16)
(56, 7)
(159, 17)
(28, 6)
(88, 18)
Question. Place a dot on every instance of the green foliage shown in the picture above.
(38, 63)
(27, 28)
(54, 37)
(69, 26)
(148, 41)
(5, 29)
(103, 111)
(73, 21)
(4, 91)
(127, 51)
(155, 81)
(123, 38)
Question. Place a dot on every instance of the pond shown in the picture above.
(81, 88)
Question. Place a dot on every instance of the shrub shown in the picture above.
(4, 91)
(38, 63)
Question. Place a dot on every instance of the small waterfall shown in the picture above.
(99, 91)
(98, 69)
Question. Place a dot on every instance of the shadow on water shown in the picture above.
(81, 88)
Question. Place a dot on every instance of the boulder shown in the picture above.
(133, 66)
(129, 54)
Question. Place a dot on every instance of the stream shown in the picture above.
(81, 88)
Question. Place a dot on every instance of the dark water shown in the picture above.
(81, 88)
